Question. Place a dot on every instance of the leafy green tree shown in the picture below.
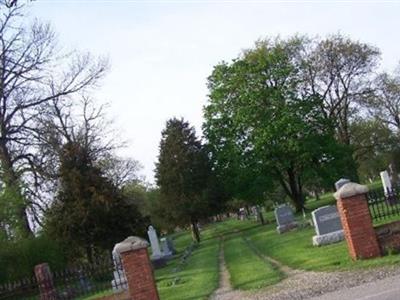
(90, 212)
(259, 119)
(384, 106)
(182, 174)
(376, 145)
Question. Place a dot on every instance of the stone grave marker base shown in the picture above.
(159, 262)
(287, 227)
(328, 238)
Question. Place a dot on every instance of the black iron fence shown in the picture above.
(79, 282)
(26, 288)
(384, 205)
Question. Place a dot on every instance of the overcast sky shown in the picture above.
(161, 52)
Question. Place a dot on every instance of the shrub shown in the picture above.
(18, 259)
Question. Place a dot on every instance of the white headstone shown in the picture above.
(387, 185)
(165, 247)
(155, 245)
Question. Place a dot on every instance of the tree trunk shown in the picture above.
(12, 183)
(260, 215)
(316, 195)
(291, 184)
(195, 231)
(26, 230)
(296, 192)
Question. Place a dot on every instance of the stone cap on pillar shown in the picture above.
(349, 190)
(131, 243)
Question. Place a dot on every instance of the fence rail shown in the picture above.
(383, 205)
(72, 283)
(26, 288)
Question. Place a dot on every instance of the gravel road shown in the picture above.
(301, 285)
(384, 289)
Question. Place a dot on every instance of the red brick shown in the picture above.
(139, 273)
(44, 279)
(357, 226)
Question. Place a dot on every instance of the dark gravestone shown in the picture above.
(284, 215)
(326, 220)
(327, 226)
(171, 245)
(284, 218)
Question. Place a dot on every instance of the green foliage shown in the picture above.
(247, 270)
(11, 226)
(375, 144)
(182, 174)
(261, 127)
(90, 212)
(138, 194)
(18, 258)
(199, 275)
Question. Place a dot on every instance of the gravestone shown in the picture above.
(171, 245)
(119, 283)
(155, 245)
(341, 182)
(256, 212)
(284, 219)
(328, 226)
(166, 252)
(242, 213)
(386, 183)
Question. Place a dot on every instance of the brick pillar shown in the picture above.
(138, 268)
(44, 278)
(356, 221)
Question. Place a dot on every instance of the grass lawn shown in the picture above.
(246, 269)
(199, 277)
(97, 295)
(295, 249)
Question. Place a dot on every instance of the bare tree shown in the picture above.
(33, 74)
(340, 71)
(121, 171)
(82, 122)
(384, 104)
(12, 3)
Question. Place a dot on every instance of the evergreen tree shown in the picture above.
(90, 212)
(182, 174)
